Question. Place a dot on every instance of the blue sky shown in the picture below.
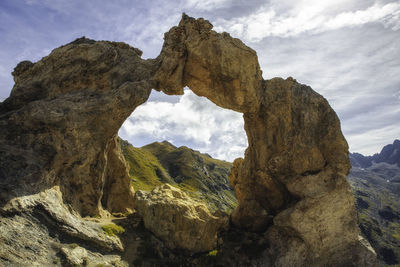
(348, 51)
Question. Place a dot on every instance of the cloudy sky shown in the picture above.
(348, 51)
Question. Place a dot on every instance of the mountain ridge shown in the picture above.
(201, 176)
(389, 154)
(375, 182)
(371, 185)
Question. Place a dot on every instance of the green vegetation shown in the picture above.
(212, 253)
(397, 236)
(74, 245)
(144, 168)
(112, 229)
(378, 203)
(200, 176)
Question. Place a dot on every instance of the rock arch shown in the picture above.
(60, 124)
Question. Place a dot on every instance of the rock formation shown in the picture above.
(178, 220)
(59, 128)
(294, 171)
(60, 123)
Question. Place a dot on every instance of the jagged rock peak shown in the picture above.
(389, 154)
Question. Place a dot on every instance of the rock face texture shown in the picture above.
(35, 229)
(59, 127)
(178, 220)
(294, 171)
(60, 123)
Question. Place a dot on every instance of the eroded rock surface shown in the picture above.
(59, 128)
(294, 171)
(34, 230)
(178, 220)
(60, 123)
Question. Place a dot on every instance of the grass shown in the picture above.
(112, 229)
(145, 170)
(397, 236)
(212, 253)
(74, 245)
(189, 170)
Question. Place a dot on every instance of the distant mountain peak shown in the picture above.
(165, 142)
(389, 154)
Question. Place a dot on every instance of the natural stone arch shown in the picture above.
(61, 121)
(66, 111)
(297, 154)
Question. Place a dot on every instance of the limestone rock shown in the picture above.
(59, 125)
(59, 128)
(294, 171)
(79, 256)
(34, 229)
(48, 204)
(213, 65)
(178, 220)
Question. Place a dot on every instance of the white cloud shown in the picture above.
(206, 4)
(356, 69)
(193, 121)
(307, 18)
(347, 50)
(372, 141)
(388, 15)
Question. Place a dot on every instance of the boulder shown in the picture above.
(178, 220)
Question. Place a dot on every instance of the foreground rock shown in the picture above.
(59, 129)
(178, 220)
(35, 229)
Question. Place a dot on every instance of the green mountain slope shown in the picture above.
(374, 181)
(201, 176)
(376, 186)
(145, 170)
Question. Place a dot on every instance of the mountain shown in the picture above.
(199, 175)
(389, 154)
(375, 182)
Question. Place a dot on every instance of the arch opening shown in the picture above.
(187, 120)
(193, 141)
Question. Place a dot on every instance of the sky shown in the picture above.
(348, 51)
